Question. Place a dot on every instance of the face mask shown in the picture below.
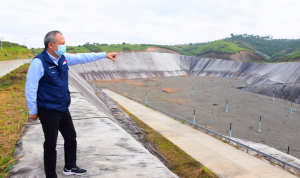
(61, 49)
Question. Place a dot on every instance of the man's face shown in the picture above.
(60, 40)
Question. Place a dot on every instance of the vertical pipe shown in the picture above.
(291, 107)
(193, 91)
(162, 80)
(1, 44)
(259, 125)
(146, 98)
(288, 152)
(230, 86)
(273, 96)
(192, 80)
(230, 131)
(226, 106)
(247, 89)
(203, 85)
(194, 116)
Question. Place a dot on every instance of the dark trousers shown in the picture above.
(52, 122)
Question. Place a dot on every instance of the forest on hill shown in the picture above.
(276, 49)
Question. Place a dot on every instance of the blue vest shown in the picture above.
(53, 91)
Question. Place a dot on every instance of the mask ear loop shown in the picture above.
(53, 49)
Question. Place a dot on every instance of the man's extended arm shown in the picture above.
(81, 58)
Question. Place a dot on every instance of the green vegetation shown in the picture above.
(180, 162)
(220, 46)
(14, 51)
(276, 49)
(96, 47)
(13, 115)
(290, 58)
(199, 49)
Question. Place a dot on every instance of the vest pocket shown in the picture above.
(53, 73)
(65, 71)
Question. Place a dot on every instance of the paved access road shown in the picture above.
(8, 66)
(3, 63)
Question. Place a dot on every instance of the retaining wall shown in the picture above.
(5, 69)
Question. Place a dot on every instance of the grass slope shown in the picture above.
(14, 51)
(181, 163)
(220, 46)
(277, 49)
(290, 58)
(13, 114)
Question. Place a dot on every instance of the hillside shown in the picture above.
(246, 48)
(14, 51)
(290, 58)
(276, 49)
(96, 47)
(220, 49)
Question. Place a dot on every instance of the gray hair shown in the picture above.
(50, 37)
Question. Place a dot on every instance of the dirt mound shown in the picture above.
(241, 56)
(161, 50)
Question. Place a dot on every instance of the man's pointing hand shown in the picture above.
(112, 56)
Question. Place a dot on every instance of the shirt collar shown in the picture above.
(53, 58)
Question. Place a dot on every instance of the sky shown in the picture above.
(146, 22)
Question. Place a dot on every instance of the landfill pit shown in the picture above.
(279, 128)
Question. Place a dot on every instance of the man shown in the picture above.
(48, 99)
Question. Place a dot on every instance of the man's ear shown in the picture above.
(49, 44)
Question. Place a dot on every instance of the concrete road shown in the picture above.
(3, 63)
(8, 66)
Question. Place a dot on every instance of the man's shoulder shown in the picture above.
(36, 62)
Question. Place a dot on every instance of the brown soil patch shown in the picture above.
(170, 90)
(241, 56)
(161, 50)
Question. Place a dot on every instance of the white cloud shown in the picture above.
(152, 22)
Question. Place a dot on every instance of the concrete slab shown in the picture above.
(104, 148)
(230, 170)
(219, 157)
